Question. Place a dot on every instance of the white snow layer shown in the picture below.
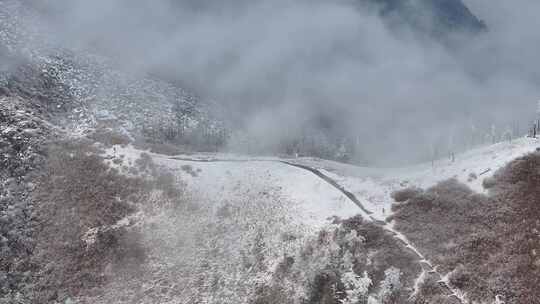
(251, 207)
(314, 200)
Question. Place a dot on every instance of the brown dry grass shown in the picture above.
(491, 243)
(77, 192)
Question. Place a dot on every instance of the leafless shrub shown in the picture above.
(189, 170)
(109, 137)
(365, 246)
(490, 243)
(431, 292)
(404, 195)
(145, 163)
(79, 192)
(164, 148)
(168, 183)
(489, 182)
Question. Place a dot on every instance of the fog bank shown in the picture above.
(280, 67)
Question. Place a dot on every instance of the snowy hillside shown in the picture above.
(208, 227)
(263, 209)
(118, 182)
(372, 186)
(86, 91)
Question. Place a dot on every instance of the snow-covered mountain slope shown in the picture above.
(374, 186)
(219, 176)
(228, 231)
(86, 90)
(310, 199)
(246, 214)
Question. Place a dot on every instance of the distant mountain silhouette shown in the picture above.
(440, 19)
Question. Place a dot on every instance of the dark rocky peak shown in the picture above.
(443, 20)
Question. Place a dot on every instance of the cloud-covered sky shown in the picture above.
(275, 64)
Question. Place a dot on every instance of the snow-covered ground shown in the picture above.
(248, 213)
(313, 200)
(373, 187)
(237, 221)
(225, 176)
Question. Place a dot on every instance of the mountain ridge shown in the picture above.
(440, 19)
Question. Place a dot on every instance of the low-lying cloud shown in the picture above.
(277, 64)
